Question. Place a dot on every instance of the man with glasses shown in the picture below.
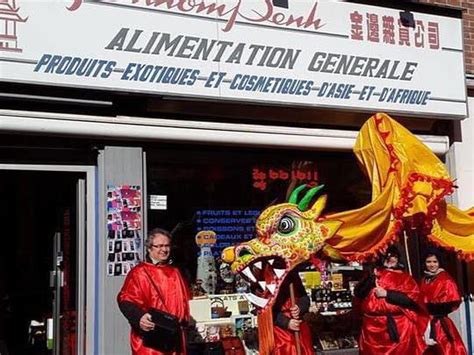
(154, 285)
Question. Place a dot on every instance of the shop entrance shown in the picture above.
(43, 216)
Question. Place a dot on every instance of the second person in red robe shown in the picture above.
(441, 297)
(389, 302)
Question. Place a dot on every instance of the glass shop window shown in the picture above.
(204, 193)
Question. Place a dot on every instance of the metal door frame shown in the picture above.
(86, 249)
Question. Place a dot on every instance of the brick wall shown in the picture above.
(468, 20)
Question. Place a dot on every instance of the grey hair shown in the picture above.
(153, 233)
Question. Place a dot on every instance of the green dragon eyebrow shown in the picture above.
(303, 205)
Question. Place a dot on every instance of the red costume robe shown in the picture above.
(389, 324)
(285, 340)
(138, 295)
(441, 297)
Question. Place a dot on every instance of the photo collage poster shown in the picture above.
(124, 223)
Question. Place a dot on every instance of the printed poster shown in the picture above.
(124, 223)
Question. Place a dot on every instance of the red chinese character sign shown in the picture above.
(424, 34)
(302, 172)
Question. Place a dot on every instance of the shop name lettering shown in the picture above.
(204, 49)
(191, 48)
(264, 13)
(211, 50)
(390, 31)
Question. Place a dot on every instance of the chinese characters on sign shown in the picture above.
(389, 30)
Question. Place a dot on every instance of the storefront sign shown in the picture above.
(313, 53)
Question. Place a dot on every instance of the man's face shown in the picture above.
(391, 261)
(160, 248)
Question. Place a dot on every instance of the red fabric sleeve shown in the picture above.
(131, 290)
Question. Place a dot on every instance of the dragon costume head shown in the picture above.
(287, 235)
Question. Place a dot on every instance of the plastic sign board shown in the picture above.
(302, 53)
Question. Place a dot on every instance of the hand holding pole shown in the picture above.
(297, 333)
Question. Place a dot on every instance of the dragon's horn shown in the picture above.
(294, 195)
(303, 205)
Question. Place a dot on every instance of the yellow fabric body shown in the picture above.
(364, 231)
(408, 181)
(454, 230)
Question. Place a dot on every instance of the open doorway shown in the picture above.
(36, 206)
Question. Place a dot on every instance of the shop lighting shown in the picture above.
(407, 19)
(55, 99)
(281, 3)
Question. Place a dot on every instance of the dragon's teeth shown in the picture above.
(272, 288)
(258, 301)
(271, 261)
(279, 272)
(249, 274)
(262, 284)
(258, 265)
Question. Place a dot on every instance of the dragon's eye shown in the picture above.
(286, 225)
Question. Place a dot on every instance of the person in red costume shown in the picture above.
(389, 302)
(441, 297)
(288, 319)
(140, 290)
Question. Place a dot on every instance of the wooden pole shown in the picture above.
(297, 333)
(405, 239)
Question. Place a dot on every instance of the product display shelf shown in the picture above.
(202, 308)
(210, 324)
(331, 307)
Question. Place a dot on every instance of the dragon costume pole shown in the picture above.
(405, 239)
(297, 333)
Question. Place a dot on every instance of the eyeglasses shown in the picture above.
(158, 246)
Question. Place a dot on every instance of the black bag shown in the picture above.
(166, 335)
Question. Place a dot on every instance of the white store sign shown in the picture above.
(313, 53)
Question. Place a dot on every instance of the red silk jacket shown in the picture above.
(441, 297)
(138, 295)
(395, 316)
